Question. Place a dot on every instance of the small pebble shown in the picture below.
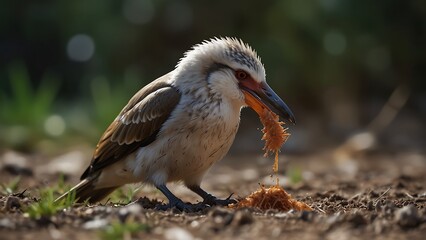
(242, 217)
(12, 203)
(177, 233)
(221, 216)
(89, 211)
(16, 164)
(219, 211)
(307, 216)
(95, 224)
(195, 224)
(6, 223)
(132, 209)
(407, 217)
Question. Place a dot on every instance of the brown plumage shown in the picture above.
(136, 125)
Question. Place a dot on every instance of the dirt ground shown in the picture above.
(378, 194)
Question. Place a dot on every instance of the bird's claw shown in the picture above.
(181, 206)
(214, 201)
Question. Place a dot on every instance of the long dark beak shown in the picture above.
(261, 96)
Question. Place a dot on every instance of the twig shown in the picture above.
(319, 209)
(409, 195)
(383, 194)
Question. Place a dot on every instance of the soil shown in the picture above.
(377, 194)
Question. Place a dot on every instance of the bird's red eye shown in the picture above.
(241, 75)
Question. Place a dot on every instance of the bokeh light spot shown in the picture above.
(80, 48)
(54, 125)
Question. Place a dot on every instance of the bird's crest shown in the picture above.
(232, 48)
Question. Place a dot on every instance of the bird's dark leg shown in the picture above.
(174, 201)
(210, 199)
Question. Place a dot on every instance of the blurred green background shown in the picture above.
(68, 67)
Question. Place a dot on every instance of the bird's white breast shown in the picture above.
(198, 134)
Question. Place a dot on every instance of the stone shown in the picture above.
(407, 217)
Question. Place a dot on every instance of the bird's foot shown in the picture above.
(180, 205)
(214, 201)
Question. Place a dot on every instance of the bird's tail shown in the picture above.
(86, 191)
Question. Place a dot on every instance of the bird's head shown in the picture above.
(227, 68)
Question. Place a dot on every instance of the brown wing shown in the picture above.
(137, 125)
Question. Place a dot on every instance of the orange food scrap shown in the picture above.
(274, 197)
(273, 133)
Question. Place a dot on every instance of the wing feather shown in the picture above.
(137, 125)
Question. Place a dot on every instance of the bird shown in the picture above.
(176, 127)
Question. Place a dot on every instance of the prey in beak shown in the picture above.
(259, 96)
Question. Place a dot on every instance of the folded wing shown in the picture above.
(137, 125)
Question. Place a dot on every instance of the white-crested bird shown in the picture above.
(179, 125)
